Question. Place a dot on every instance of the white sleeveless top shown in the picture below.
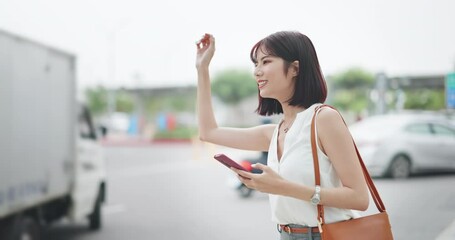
(296, 165)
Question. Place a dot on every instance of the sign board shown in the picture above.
(450, 90)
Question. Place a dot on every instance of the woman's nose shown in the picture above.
(257, 72)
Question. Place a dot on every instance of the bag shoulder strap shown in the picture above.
(372, 188)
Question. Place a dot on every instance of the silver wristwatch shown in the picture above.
(316, 198)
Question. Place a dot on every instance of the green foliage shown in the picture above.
(173, 103)
(351, 89)
(425, 99)
(97, 100)
(232, 86)
(355, 100)
(178, 133)
(124, 102)
(353, 78)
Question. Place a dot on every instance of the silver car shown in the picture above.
(398, 145)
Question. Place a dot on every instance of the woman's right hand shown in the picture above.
(205, 51)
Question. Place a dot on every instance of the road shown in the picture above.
(177, 191)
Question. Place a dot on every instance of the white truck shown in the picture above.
(51, 162)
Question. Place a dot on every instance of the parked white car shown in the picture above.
(398, 145)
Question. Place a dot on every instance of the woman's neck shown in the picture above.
(290, 112)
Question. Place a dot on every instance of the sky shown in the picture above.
(144, 43)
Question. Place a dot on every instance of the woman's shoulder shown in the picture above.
(329, 116)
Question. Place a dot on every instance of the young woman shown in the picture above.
(290, 82)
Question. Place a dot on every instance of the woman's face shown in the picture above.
(271, 77)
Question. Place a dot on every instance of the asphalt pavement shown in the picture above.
(176, 190)
(448, 233)
(205, 151)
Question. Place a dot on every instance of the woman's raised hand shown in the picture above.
(205, 50)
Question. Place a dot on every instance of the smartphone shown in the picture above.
(228, 162)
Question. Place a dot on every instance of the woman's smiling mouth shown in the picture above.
(262, 83)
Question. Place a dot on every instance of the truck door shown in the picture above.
(89, 169)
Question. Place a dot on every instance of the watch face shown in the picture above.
(316, 197)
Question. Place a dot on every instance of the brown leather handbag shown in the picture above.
(372, 227)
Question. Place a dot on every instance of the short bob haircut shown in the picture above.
(310, 86)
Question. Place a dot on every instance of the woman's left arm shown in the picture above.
(336, 142)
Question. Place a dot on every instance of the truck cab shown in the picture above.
(89, 191)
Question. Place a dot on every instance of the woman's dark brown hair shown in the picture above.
(310, 86)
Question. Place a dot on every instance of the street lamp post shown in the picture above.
(112, 67)
(381, 87)
(111, 103)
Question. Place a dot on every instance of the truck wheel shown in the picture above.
(26, 228)
(95, 216)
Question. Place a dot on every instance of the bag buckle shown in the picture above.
(320, 224)
(284, 228)
(289, 229)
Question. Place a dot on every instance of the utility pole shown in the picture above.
(112, 67)
(111, 103)
(381, 88)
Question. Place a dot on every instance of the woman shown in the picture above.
(290, 82)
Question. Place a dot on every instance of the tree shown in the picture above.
(173, 103)
(354, 77)
(124, 102)
(232, 86)
(351, 89)
(428, 99)
(97, 100)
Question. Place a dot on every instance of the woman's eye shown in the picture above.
(265, 61)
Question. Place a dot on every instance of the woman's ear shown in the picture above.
(295, 68)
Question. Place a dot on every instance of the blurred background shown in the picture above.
(129, 67)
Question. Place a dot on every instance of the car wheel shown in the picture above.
(400, 167)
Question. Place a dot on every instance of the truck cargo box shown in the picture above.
(37, 101)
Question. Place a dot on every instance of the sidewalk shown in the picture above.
(448, 233)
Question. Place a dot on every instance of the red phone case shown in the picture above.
(226, 161)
